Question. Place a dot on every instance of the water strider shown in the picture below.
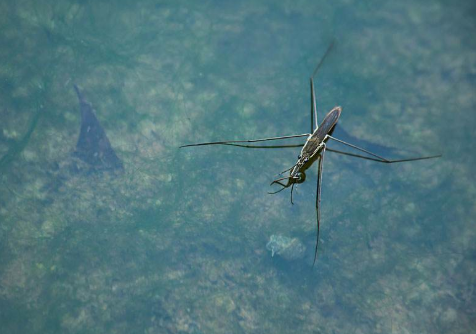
(313, 149)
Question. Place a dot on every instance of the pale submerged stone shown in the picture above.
(287, 248)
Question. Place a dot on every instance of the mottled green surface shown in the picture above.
(177, 242)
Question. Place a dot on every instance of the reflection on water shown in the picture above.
(176, 243)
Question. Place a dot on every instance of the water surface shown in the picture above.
(176, 242)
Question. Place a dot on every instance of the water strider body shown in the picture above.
(313, 150)
(314, 145)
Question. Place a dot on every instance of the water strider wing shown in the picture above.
(323, 130)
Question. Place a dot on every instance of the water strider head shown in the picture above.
(296, 173)
(303, 162)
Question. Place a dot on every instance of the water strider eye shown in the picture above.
(299, 156)
(300, 177)
(306, 159)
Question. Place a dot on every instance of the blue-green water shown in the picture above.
(176, 243)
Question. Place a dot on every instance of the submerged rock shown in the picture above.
(287, 248)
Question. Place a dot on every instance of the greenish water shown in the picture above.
(176, 243)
